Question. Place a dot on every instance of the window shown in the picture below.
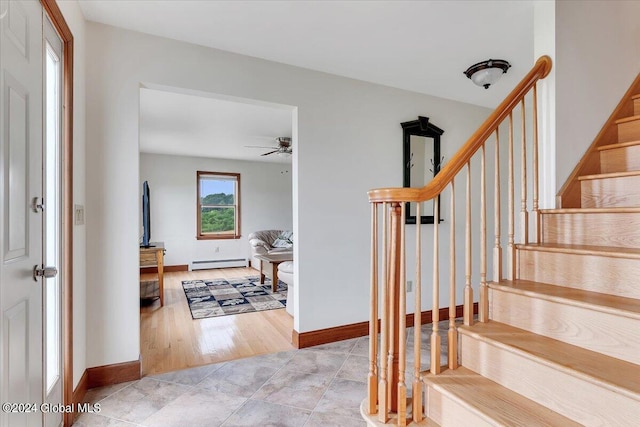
(218, 205)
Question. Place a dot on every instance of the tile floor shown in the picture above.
(318, 386)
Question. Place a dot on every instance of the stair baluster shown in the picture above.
(497, 250)
(483, 310)
(383, 386)
(468, 290)
(524, 215)
(511, 249)
(394, 303)
(372, 380)
(417, 322)
(535, 209)
(452, 335)
(402, 325)
(435, 312)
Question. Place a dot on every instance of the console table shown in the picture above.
(153, 256)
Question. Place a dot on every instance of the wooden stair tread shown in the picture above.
(636, 96)
(618, 145)
(588, 210)
(614, 374)
(610, 251)
(609, 175)
(493, 401)
(627, 119)
(622, 306)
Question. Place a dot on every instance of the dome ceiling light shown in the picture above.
(486, 73)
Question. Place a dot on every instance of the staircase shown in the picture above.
(559, 344)
(562, 346)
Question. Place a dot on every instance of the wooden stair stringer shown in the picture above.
(569, 194)
(462, 397)
(602, 323)
(587, 387)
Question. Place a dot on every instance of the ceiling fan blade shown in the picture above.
(270, 152)
(259, 146)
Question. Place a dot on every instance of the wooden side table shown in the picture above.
(269, 264)
(153, 256)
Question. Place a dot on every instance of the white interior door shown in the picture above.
(52, 254)
(21, 83)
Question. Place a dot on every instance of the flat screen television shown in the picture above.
(146, 216)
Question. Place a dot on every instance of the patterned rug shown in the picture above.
(220, 297)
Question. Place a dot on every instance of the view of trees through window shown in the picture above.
(218, 205)
(217, 219)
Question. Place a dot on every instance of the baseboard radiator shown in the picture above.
(219, 263)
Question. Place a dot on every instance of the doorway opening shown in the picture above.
(185, 135)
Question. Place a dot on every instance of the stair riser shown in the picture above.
(622, 192)
(605, 229)
(629, 131)
(607, 275)
(623, 159)
(636, 107)
(602, 332)
(569, 395)
(449, 413)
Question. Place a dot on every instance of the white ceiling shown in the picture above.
(421, 46)
(192, 125)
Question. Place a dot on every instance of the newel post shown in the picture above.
(394, 303)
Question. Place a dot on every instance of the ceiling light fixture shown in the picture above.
(486, 73)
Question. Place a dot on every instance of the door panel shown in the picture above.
(21, 74)
(17, 28)
(16, 170)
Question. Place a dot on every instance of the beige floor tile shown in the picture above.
(140, 400)
(256, 413)
(240, 378)
(316, 362)
(297, 389)
(343, 397)
(196, 408)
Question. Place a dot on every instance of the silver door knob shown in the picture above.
(46, 272)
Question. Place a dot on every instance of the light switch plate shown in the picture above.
(78, 214)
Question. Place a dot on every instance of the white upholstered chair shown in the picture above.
(285, 274)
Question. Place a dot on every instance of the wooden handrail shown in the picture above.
(446, 175)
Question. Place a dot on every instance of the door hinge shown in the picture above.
(46, 272)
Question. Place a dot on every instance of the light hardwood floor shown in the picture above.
(171, 340)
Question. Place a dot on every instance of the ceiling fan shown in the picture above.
(283, 149)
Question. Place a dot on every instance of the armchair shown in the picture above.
(267, 242)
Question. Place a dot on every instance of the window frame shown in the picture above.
(206, 236)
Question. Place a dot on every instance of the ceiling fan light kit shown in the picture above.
(486, 73)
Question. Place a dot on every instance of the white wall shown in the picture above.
(544, 43)
(348, 140)
(597, 57)
(76, 22)
(266, 203)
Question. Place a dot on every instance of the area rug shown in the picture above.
(220, 297)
